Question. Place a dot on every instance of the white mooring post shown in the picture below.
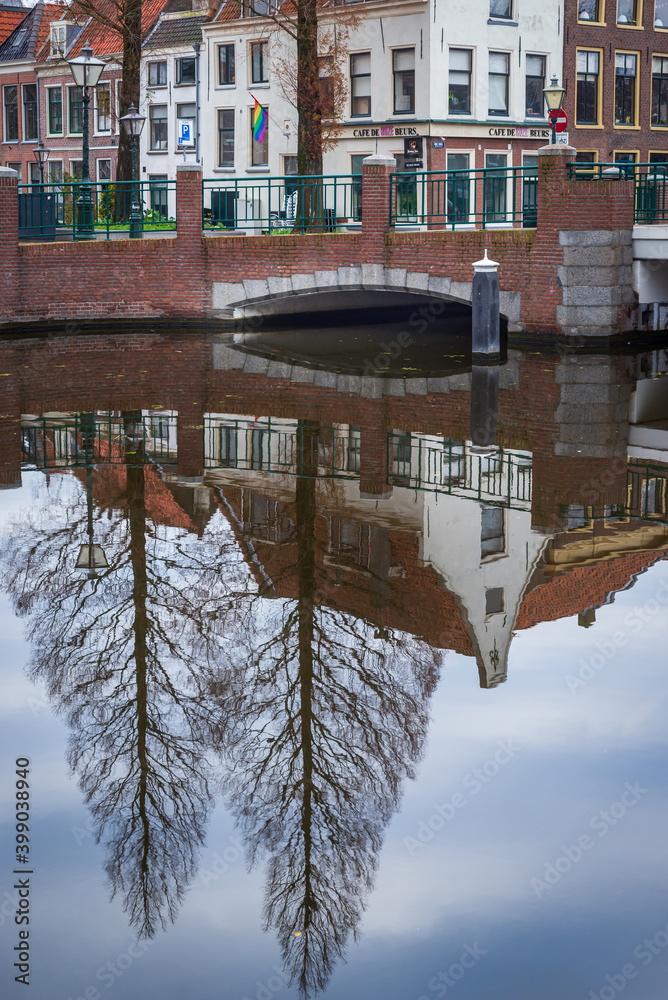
(485, 322)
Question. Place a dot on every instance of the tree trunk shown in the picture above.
(129, 96)
(309, 113)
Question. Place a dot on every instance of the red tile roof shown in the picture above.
(104, 40)
(10, 19)
(51, 12)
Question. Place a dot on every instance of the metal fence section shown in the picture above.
(458, 468)
(48, 211)
(650, 183)
(450, 199)
(282, 204)
(81, 439)
(647, 492)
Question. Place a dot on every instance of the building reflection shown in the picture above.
(281, 589)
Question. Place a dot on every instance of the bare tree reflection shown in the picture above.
(325, 722)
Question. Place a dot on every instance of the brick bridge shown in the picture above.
(570, 275)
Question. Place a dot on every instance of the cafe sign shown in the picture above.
(519, 132)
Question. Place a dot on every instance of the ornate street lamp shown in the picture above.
(133, 123)
(41, 154)
(86, 70)
(554, 96)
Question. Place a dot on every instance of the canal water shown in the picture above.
(332, 672)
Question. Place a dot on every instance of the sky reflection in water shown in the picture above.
(276, 671)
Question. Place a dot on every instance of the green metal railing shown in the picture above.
(490, 196)
(650, 182)
(282, 204)
(51, 211)
(76, 441)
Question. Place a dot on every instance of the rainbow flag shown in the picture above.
(259, 121)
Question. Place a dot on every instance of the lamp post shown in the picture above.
(554, 96)
(86, 70)
(41, 154)
(133, 123)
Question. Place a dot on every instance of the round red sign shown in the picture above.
(561, 120)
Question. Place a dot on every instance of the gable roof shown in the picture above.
(27, 37)
(10, 18)
(176, 31)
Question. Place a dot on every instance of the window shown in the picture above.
(55, 171)
(34, 173)
(661, 14)
(75, 120)
(458, 193)
(499, 71)
(403, 71)
(104, 170)
(259, 62)
(185, 71)
(188, 111)
(29, 111)
(494, 601)
(256, 8)
(495, 187)
(501, 8)
(76, 169)
(360, 84)
(589, 10)
(17, 39)
(58, 40)
(459, 90)
(660, 90)
(103, 107)
(625, 88)
(158, 202)
(226, 138)
(226, 70)
(259, 150)
(17, 167)
(587, 100)
(625, 156)
(326, 87)
(157, 74)
(586, 158)
(11, 114)
(54, 102)
(157, 116)
(627, 11)
(492, 534)
(535, 82)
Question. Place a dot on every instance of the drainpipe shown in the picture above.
(197, 46)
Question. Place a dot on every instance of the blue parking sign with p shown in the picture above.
(185, 132)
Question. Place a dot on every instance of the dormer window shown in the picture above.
(19, 38)
(58, 40)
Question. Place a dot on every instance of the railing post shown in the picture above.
(9, 241)
(376, 173)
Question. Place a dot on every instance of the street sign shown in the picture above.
(560, 119)
(563, 139)
(437, 145)
(184, 131)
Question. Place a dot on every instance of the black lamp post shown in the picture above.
(554, 96)
(133, 123)
(41, 154)
(86, 70)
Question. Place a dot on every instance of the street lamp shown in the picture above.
(86, 70)
(41, 154)
(133, 123)
(554, 96)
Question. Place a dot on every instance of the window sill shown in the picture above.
(157, 152)
(503, 20)
(595, 24)
(225, 86)
(627, 128)
(224, 170)
(631, 27)
(590, 126)
(157, 86)
(258, 86)
(258, 170)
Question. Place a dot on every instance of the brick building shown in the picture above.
(616, 79)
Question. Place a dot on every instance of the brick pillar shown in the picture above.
(376, 172)
(10, 424)
(190, 443)
(190, 271)
(189, 201)
(374, 460)
(9, 241)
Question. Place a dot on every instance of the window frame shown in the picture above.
(538, 55)
(106, 84)
(70, 88)
(151, 119)
(501, 17)
(192, 118)
(155, 86)
(638, 24)
(178, 78)
(664, 27)
(598, 124)
(264, 45)
(360, 76)
(33, 137)
(600, 20)
(471, 70)
(98, 161)
(395, 72)
(636, 92)
(658, 55)
(220, 47)
(252, 145)
(5, 114)
(506, 113)
(49, 171)
(49, 91)
(219, 113)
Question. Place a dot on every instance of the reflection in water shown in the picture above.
(283, 648)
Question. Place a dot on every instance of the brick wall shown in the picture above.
(174, 276)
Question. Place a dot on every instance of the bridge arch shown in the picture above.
(318, 292)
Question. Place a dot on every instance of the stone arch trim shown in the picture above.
(228, 296)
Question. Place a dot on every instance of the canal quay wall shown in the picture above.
(571, 275)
